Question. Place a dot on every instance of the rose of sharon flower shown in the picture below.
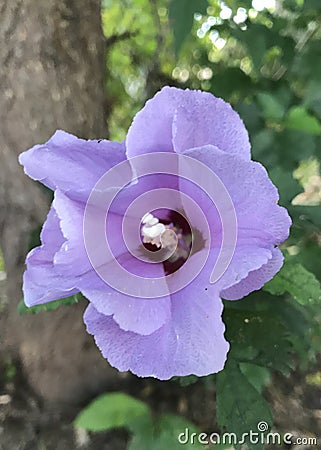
(182, 332)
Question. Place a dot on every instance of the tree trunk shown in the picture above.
(51, 76)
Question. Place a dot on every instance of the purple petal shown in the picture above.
(245, 259)
(255, 279)
(191, 343)
(71, 259)
(260, 219)
(71, 164)
(143, 316)
(178, 119)
(143, 185)
(41, 282)
(203, 119)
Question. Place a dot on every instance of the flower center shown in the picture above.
(172, 235)
(152, 230)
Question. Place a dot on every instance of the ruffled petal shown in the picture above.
(202, 119)
(245, 259)
(71, 164)
(71, 259)
(192, 342)
(255, 279)
(260, 220)
(41, 281)
(140, 315)
(175, 120)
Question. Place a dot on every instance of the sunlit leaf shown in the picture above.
(297, 281)
(300, 119)
(114, 410)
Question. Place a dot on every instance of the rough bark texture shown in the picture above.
(51, 76)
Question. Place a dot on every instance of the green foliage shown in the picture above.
(164, 434)
(265, 334)
(119, 410)
(110, 411)
(287, 185)
(299, 119)
(244, 321)
(1, 262)
(181, 16)
(240, 406)
(297, 281)
(258, 376)
(138, 48)
(312, 4)
(10, 369)
(186, 381)
(23, 309)
(272, 108)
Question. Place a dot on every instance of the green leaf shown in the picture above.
(170, 432)
(186, 381)
(299, 119)
(312, 4)
(271, 106)
(270, 349)
(308, 215)
(142, 433)
(181, 15)
(256, 39)
(258, 376)
(51, 306)
(250, 113)
(297, 281)
(287, 185)
(291, 146)
(169, 427)
(114, 410)
(263, 142)
(307, 253)
(298, 322)
(312, 97)
(240, 407)
(307, 63)
(229, 81)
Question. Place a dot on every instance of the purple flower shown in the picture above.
(159, 316)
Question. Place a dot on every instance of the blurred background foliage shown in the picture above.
(264, 57)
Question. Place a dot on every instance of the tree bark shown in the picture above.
(51, 77)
